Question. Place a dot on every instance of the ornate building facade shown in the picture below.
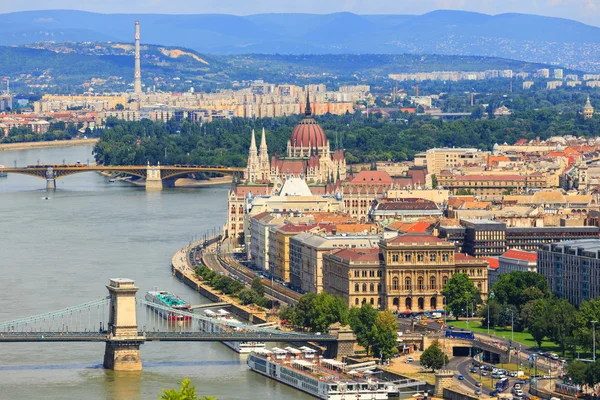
(308, 156)
(406, 274)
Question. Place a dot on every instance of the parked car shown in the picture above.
(494, 393)
(409, 359)
(478, 384)
(478, 392)
(521, 382)
(483, 373)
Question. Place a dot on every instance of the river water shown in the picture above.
(61, 252)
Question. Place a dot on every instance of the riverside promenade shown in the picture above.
(183, 269)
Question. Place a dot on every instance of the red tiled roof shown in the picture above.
(291, 228)
(370, 177)
(358, 255)
(521, 255)
(410, 227)
(493, 261)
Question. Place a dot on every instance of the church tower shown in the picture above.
(263, 158)
(253, 169)
(588, 110)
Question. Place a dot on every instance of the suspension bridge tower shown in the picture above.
(122, 351)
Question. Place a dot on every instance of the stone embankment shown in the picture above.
(184, 271)
(53, 143)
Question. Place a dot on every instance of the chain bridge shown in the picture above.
(124, 322)
(156, 176)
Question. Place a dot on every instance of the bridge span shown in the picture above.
(124, 322)
(155, 176)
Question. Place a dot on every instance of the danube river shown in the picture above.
(61, 252)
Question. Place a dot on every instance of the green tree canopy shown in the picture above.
(258, 286)
(362, 319)
(433, 357)
(384, 335)
(186, 392)
(460, 292)
(517, 288)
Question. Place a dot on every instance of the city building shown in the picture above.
(514, 260)
(309, 164)
(407, 274)
(439, 159)
(486, 185)
(572, 269)
(484, 237)
(385, 211)
(307, 250)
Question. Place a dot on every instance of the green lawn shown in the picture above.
(519, 337)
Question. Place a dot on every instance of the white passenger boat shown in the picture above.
(215, 324)
(321, 378)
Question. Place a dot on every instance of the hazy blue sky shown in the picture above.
(587, 11)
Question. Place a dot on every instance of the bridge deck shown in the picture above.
(17, 337)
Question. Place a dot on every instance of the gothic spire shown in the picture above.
(263, 141)
(307, 110)
(253, 142)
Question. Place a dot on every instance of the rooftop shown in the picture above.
(521, 255)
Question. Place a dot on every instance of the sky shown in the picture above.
(586, 11)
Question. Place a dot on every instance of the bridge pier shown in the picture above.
(344, 345)
(153, 178)
(122, 352)
(50, 179)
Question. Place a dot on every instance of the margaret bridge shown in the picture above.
(124, 322)
(155, 176)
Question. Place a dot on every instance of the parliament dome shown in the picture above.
(308, 131)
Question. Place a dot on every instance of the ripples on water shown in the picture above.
(61, 252)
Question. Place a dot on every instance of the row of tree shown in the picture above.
(375, 330)
(56, 131)
(364, 139)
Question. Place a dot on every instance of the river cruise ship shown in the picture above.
(216, 324)
(167, 299)
(319, 377)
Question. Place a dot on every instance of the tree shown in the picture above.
(433, 357)
(494, 312)
(362, 319)
(460, 292)
(258, 286)
(539, 321)
(517, 288)
(119, 107)
(577, 372)
(186, 392)
(384, 335)
(561, 322)
(434, 181)
(318, 311)
(588, 311)
(248, 296)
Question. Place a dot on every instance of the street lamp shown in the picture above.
(594, 322)
(490, 297)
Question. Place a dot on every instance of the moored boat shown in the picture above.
(322, 378)
(3, 173)
(167, 299)
(216, 324)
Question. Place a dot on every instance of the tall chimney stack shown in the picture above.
(137, 84)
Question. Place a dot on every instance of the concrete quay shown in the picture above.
(183, 270)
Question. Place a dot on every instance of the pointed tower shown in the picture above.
(253, 161)
(588, 110)
(263, 157)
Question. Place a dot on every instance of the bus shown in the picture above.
(568, 389)
(459, 334)
(502, 385)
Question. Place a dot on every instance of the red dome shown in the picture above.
(308, 131)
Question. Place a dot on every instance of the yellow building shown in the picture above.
(445, 158)
(406, 275)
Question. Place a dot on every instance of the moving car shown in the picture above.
(461, 378)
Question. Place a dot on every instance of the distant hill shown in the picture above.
(516, 36)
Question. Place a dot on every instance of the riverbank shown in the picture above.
(184, 271)
(43, 145)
